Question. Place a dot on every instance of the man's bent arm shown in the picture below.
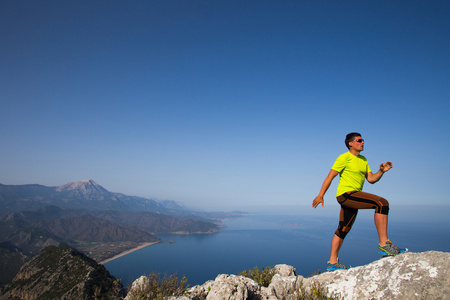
(326, 184)
(372, 178)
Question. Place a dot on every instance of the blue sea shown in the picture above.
(262, 240)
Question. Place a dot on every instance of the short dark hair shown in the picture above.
(350, 137)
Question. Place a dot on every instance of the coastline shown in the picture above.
(127, 252)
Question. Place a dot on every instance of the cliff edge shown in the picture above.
(407, 276)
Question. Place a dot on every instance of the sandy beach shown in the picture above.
(127, 252)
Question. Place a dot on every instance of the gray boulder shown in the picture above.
(407, 276)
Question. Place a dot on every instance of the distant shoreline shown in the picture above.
(127, 252)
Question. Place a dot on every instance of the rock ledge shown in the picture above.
(407, 276)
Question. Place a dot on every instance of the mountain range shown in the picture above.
(89, 218)
(86, 194)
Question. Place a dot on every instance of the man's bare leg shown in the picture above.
(336, 243)
(381, 222)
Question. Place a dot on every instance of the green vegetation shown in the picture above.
(317, 292)
(155, 287)
(262, 277)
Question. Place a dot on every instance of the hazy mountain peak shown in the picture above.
(86, 189)
(81, 185)
(80, 194)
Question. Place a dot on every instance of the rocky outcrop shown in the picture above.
(62, 273)
(407, 276)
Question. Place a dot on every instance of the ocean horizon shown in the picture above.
(264, 240)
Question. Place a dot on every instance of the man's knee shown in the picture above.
(384, 208)
(342, 231)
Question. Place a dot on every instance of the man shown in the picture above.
(354, 169)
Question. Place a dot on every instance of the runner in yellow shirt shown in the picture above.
(354, 169)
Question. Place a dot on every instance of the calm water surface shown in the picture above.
(264, 240)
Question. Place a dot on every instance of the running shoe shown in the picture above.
(337, 266)
(390, 249)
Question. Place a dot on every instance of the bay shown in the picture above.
(265, 240)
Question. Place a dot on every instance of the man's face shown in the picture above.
(357, 144)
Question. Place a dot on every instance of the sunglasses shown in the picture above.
(359, 140)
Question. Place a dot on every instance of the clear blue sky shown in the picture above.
(225, 104)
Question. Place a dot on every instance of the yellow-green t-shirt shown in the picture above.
(352, 171)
